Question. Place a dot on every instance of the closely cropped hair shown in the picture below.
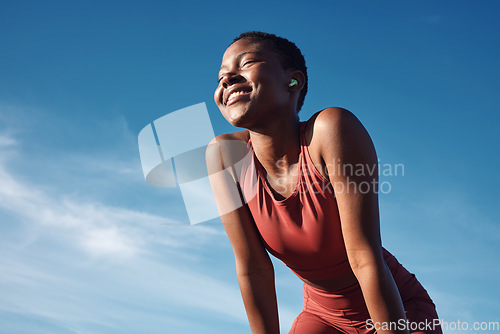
(289, 53)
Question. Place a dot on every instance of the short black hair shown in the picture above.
(290, 55)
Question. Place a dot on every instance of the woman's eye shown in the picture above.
(248, 62)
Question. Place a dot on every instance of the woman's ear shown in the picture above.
(297, 80)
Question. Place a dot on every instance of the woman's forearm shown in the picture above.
(382, 299)
(259, 296)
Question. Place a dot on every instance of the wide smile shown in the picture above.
(236, 94)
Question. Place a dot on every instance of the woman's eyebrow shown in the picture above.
(238, 57)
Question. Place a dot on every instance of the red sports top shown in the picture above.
(302, 230)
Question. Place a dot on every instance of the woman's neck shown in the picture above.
(277, 145)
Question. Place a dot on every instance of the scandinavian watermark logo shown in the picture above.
(173, 154)
(172, 151)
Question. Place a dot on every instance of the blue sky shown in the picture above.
(86, 246)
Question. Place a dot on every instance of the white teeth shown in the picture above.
(233, 94)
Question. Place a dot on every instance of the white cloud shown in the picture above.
(80, 263)
(6, 140)
(108, 241)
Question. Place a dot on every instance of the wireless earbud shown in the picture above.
(293, 82)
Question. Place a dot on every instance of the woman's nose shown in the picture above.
(230, 79)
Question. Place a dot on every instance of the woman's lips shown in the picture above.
(235, 91)
(236, 96)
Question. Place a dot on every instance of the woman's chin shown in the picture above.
(238, 122)
(237, 116)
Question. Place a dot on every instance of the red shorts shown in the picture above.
(345, 311)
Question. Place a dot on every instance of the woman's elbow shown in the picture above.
(366, 263)
(254, 272)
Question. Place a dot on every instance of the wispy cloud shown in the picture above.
(82, 264)
(6, 140)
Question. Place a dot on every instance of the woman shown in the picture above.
(295, 197)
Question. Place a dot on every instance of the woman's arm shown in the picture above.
(351, 162)
(254, 268)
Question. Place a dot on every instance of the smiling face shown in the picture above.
(253, 86)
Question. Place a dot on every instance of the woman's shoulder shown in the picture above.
(333, 121)
(335, 131)
(228, 148)
(331, 118)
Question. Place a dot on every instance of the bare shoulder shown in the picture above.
(336, 133)
(329, 121)
(226, 149)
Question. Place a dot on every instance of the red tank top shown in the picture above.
(302, 230)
